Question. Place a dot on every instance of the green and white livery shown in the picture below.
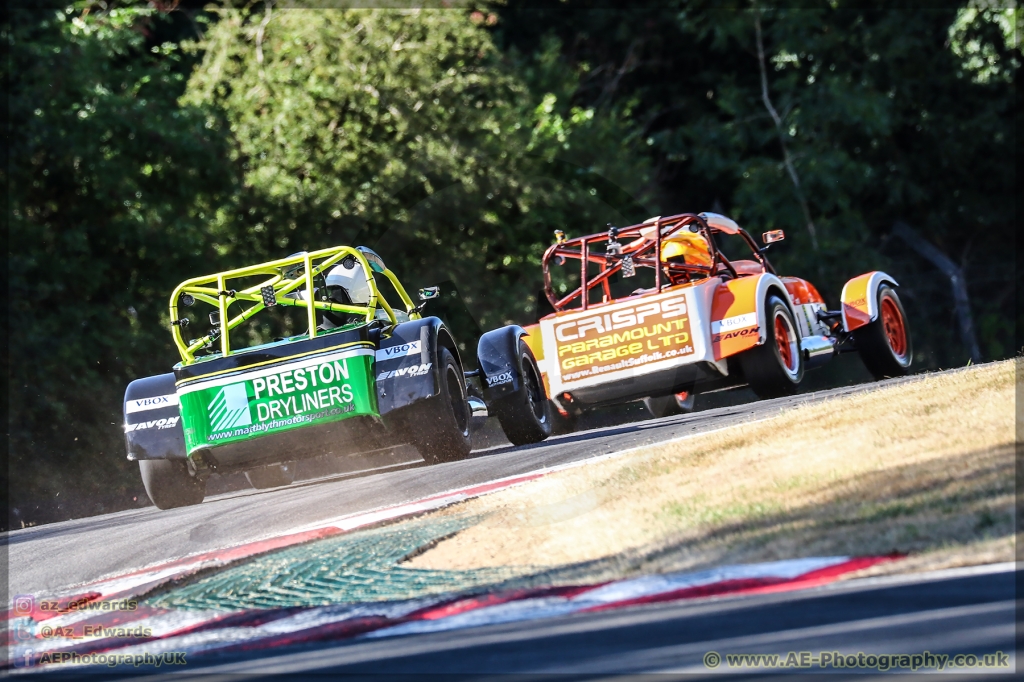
(365, 375)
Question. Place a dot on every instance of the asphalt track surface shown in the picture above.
(56, 556)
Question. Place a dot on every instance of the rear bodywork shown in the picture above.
(683, 333)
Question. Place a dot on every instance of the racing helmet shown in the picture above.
(691, 247)
(346, 283)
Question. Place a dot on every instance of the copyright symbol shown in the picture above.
(712, 659)
(47, 631)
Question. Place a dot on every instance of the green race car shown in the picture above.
(365, 375)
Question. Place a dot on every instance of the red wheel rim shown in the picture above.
(784, 343)
(895, 331)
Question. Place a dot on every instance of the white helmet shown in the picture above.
(350, 278)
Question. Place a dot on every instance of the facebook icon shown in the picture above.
(25, 659)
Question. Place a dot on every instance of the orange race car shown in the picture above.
(689, 303)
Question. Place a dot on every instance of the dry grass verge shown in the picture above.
(925, 469)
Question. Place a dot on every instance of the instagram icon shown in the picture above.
(24, 605)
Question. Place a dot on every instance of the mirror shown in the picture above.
(375, 261)
(773, 236)
(295, 270)
(427, 293)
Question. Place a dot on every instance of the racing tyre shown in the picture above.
(525, 416)
(441, 425)
(666, 406)
(884, 345)
(775, 368)
(169, 484)
(271, 476)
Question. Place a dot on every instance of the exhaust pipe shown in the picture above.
(817, 350)
(477, 411)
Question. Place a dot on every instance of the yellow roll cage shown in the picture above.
(213, 289)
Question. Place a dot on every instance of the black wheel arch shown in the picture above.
(446, 340)
(497, 352)
(152, 420)
(412, 372)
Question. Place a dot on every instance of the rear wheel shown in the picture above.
(440, 426)
(525, 416)
(169, 483)
(666, 406)
(271, 476)
(884, 344)
(775, 368)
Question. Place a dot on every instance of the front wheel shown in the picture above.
(525, 415)
(169, 483)
(666, 406)
(271, 476)
(884, 344)
(775, 368)
(440, 426)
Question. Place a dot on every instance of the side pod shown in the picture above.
(152, 421)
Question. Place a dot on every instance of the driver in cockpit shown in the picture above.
(346, 284)
(680, 246)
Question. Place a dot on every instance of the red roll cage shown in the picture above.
(643, 251)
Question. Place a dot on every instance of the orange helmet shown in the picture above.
(689, 246)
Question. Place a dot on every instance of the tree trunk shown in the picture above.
(956, 278)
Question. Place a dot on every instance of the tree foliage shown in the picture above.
(112, 185)
(406, 131)
(888, 114)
